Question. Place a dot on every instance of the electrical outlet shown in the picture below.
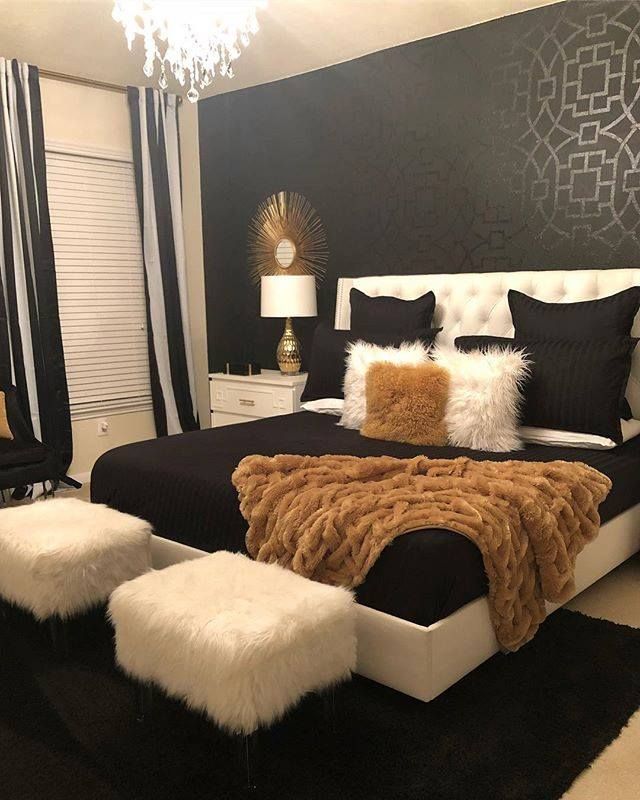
(103, 427)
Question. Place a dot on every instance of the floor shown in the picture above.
(615, 774)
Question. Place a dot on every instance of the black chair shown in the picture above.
(24, 460)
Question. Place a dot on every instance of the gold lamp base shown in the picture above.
(288, 352)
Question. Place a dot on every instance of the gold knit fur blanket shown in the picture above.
(329, 518)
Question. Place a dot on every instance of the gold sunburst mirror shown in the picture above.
(286, 237)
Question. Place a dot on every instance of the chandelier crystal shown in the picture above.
(194, 39)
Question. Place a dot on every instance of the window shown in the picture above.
(100, 274)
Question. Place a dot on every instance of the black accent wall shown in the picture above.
(510, 145)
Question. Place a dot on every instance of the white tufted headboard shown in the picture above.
(476, 302)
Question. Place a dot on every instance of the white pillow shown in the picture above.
(360, 356)
(484, 397)
(325, 405)
(547, 436)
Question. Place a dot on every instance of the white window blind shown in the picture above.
(100, 274)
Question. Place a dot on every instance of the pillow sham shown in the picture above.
(360, 356)
(324, 405)
(546, 436)
(587, 319)
(327, 363)
(574, 386)
(485, 397)
(406, 403)
(469, 343)
(5, 429)
(577, 386)
(390, 315)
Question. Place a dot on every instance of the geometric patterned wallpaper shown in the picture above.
(567, 116)
(514, 144)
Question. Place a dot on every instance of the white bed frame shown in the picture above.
(424, 661)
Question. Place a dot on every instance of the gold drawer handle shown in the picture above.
(244, 402)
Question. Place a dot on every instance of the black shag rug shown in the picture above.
(521, 727)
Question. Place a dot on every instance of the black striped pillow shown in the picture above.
(585, 319)
(574, 385)
(577, 386)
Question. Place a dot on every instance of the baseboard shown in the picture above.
(81, 477)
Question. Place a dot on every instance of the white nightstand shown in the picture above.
(242, 398)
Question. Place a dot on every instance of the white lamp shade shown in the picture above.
(288, 296)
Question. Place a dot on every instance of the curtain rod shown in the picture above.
(110, 87)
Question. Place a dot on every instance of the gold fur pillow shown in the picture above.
(5, 430)
(406, 403)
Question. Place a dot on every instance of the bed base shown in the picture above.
(425, 661)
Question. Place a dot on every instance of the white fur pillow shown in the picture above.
(360, 356)
(484, 397)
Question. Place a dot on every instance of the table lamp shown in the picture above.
(288, 296)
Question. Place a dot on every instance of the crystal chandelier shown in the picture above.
(194, 39)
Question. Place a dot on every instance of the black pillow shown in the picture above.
(390, 314)
(589, 319)
(468, 343)
(573, 386)
(328, 357)
(326, 364)
(578, 386)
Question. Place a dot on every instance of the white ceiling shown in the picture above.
(80, 38)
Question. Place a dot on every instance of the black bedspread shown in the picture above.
(182, 485)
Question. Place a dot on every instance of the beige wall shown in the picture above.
(88, 446)
(85, 116)
(94, 118)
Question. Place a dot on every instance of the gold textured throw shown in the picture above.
(329, 518)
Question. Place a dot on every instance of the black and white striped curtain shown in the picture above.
(31, 354)
(156, 157)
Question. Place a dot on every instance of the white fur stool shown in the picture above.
(240, 640)
(60, 557)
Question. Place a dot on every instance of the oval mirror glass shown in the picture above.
(285, 253)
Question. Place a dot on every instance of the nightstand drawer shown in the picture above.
(250, 401)
(243, 398)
